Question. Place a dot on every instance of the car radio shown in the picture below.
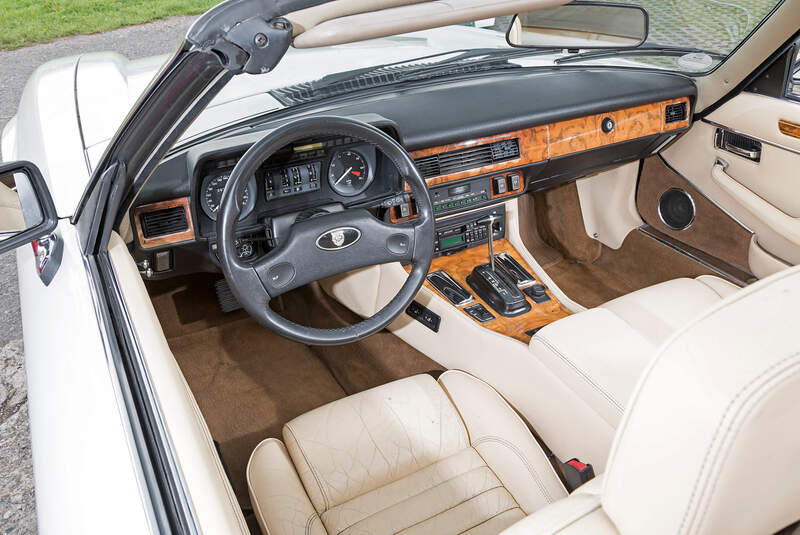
(461, 232)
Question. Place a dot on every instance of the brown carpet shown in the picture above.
(248, 381)
(551, 227)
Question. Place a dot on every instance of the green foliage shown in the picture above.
(23, 22)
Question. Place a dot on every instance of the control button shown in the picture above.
(538, 293)
(397, 244)
(281, 274)
(608, 125)
(499, 185)
(480, 313)
(404, 211)
(513, 180)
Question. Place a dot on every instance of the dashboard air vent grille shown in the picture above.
(470, 158)
(675, 112)
(164, 222)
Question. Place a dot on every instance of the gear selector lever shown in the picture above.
(494, 286)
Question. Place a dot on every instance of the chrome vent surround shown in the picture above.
(164, 222)
(470, 158)
(675, 113)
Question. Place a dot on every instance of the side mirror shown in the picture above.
(27, 212)
(580, 25)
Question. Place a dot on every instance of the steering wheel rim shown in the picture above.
(253, 284)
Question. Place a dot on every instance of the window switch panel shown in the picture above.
(420, 313)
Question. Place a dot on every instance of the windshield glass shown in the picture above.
(688, 36)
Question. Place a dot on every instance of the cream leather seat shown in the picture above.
(706, 446)
(412, 456)
(595, 358)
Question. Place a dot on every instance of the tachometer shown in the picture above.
(349, 173)
(211, 194)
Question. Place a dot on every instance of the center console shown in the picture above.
(481, 274)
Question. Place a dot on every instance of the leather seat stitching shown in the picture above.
(310, 467)
(740, 420)
(491, 517)
(531, 470)
(708, 458)
(414, 495)
(586, 378)
(454, 506)
(310, 522)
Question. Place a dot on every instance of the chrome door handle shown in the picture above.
(749, 154)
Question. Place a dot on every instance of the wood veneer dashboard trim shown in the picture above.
(540, 143)
(169, 239)
(460, 265)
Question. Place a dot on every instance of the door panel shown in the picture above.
(764, 195)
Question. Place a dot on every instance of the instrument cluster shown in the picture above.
(332, 170)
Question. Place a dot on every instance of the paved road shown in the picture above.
(17, 507)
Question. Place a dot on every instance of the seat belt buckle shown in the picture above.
(577, 473)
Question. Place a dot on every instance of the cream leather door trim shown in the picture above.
(759, 116)
(763, 264)
(785, 225)
(10, 210)
(694, 154)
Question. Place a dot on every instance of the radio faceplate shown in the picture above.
(461, 232)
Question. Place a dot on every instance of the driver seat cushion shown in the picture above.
(412, 456)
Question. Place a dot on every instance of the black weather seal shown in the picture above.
(247, 35)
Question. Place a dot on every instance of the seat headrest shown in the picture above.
(711, 436)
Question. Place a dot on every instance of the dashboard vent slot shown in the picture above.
(675, 113)
(470, 158)
(164, 222)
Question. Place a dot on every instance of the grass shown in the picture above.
(23, 22)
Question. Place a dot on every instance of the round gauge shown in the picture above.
(349, 174)
(211, 194)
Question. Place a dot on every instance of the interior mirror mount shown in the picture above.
(580, 25)
(27, 212)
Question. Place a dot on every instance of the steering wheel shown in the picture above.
(326, 245)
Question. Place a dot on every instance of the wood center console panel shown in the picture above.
(460, 265)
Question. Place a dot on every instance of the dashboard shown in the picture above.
(476, 143)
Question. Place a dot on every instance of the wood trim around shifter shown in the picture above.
(460, 265)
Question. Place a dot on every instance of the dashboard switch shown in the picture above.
(499, 185)
(513, 181)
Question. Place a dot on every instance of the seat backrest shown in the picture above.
(711, 438)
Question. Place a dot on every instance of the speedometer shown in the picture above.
(349, 173)
(211, 194)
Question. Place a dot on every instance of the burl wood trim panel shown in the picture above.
(540, 143)
(533, 147)
(713, 231)
(169, 239)
(789, 129)
(585, 133)
(460, 265)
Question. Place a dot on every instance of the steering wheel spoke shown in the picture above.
(335, 243)
(327, 245)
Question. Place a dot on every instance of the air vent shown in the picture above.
(471, 158)
(164, 222)
(675, 113)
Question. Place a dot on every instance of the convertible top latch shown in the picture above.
(263, 42)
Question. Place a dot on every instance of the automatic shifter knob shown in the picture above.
(488, 222)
